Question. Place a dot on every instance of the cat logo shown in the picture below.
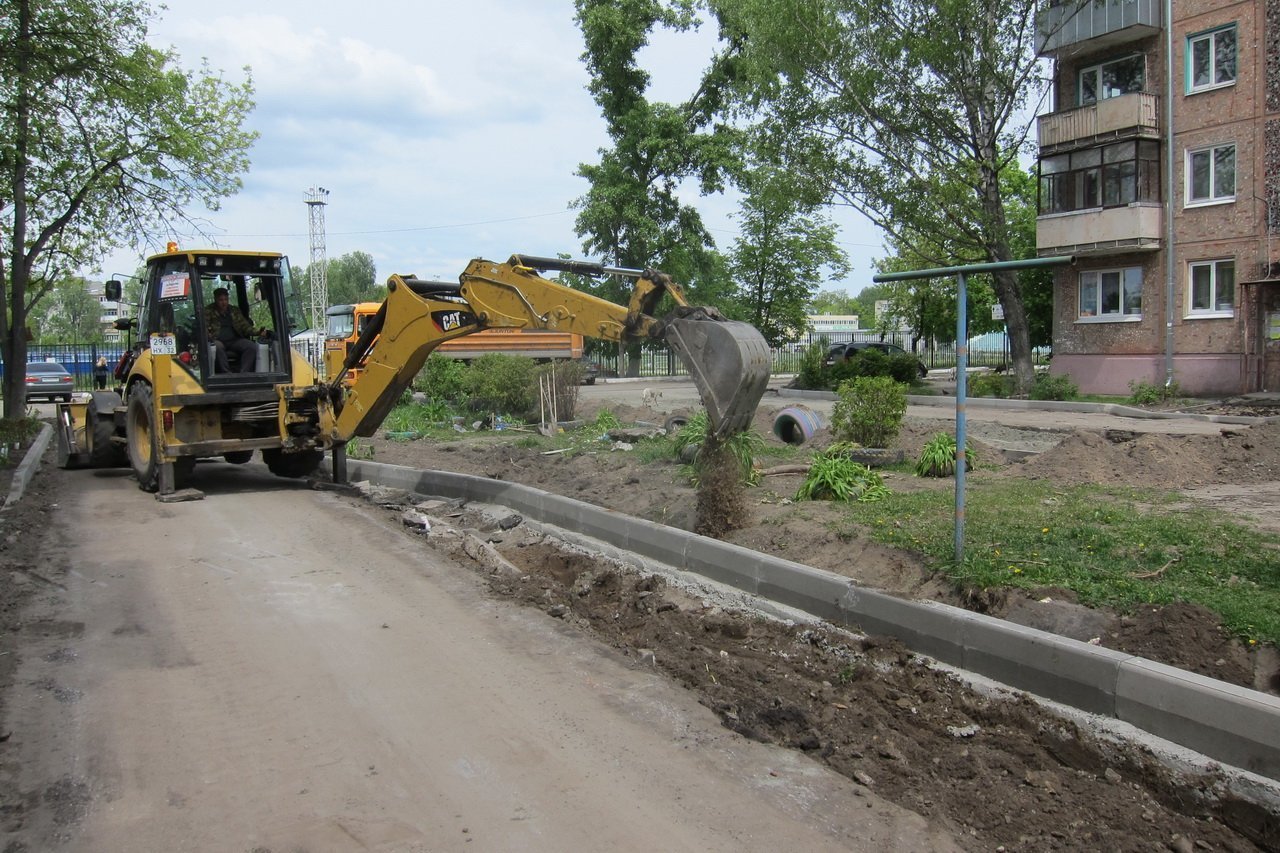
(448, 321)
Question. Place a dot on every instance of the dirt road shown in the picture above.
(278, 669)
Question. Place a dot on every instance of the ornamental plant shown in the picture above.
(869, 411)
(938, 457)
(833, 476)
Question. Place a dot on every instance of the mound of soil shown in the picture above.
(1244, 455)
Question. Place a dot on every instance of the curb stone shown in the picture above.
(27, 467)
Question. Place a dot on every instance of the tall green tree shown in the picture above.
(631, 215)
(910, 110)
(833, 302)
(103, 141)
(350, 278)
(68, 314)
(786, 249)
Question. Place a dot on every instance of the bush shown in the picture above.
(869, 411)
(502, 384)
(441, 378)
(1144, 393)
(990, 385)
(811, 366)
(1047, 387)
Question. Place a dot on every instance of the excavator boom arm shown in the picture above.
(728, 361)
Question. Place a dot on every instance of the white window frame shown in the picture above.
(1124, 275)
(1210, 36)
(1214, 266)
(1097, 69)
(1213, 197)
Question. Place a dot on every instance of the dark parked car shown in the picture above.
(840, 352)
(50, 380)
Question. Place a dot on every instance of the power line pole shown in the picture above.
(318, 272)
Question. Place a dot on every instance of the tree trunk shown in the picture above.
(1015, 318)
(13, 321)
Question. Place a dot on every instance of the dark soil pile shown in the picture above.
(1244, 455)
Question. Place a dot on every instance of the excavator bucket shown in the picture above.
(729, 362)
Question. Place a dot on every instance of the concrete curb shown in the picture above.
(1230, 724)
(28, 466)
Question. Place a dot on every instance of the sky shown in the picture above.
(442, 130)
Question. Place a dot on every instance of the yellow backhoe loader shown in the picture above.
(192, 387)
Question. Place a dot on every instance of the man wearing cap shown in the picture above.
(230, 331)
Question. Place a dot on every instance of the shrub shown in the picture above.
(938, 457)
(1144, 393)
(441, 378)
(1048, 387)
(811, 374)
(869, 411)
(502, 384)
(990, 385)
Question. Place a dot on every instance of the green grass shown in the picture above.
(1113, 547)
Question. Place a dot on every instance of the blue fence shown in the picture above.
(79, 359)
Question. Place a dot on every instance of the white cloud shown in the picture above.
(444, 130)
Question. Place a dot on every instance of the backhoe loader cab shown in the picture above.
(181, 286)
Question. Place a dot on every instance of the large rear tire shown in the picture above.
(292, 465)
(100, 427)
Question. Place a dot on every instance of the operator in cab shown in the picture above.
(230, 332)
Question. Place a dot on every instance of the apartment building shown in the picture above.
(1159, 171)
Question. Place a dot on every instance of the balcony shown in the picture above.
(1101, 231)
(1134, 115)
(1078, 26)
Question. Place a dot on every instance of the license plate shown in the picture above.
(164, 345)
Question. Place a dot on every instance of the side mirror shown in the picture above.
(124, 324)
(113, 289)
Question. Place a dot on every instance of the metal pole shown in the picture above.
(962, 385)
(1170, 263)
(962, 356)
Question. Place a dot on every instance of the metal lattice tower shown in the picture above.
(317, 270)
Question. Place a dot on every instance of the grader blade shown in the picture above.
(729, 363)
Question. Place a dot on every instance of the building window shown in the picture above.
(1108, 176)
(1211, 59)
(1111, 79)
(1213, 287)
(1211, 174)
(1111, 294)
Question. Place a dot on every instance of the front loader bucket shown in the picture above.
(729, 362)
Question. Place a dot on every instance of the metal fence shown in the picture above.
(76, 358)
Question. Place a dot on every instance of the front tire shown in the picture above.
(292, 465)
(143, 441)
(140, 434)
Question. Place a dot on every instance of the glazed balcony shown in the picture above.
(1078, 26)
